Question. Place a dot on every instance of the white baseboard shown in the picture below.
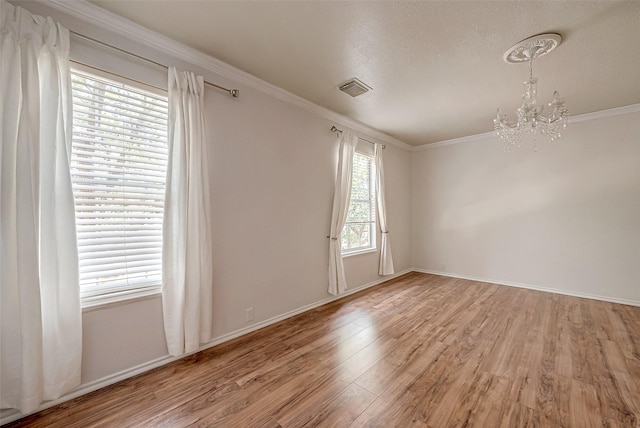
(10, 415)
(533, 287)
(278, 318)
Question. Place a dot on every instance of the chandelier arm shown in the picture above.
(542, 119)
(550, 121)
(509, 125)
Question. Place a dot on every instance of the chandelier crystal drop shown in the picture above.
(530, 119)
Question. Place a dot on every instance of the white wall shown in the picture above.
(272, 187)
(273, 169)
(566, 217)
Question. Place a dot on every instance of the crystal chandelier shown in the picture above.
(529, 114)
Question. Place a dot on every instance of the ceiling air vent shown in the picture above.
(354, 87)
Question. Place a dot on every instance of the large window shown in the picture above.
(359, 233)
(118, 170)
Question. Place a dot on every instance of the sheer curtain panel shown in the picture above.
(341, 198)
(41, 325)
(386, 260)
(187, 250)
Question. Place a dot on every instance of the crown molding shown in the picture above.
(616, 111)
(109, 21)
(95, 15)
(460, 140)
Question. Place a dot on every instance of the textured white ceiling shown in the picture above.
(436, 68)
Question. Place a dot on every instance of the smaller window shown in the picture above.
(359, 233)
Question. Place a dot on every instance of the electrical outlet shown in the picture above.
(249, 314)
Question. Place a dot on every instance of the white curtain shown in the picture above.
(41, 325)
(341, 198)
(386, 260)
(186, 256)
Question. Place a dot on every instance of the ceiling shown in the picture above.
(436, 68)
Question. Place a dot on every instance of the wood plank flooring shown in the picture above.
(421, 350)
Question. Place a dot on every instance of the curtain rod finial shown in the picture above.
(235, 93)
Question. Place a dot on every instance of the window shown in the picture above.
(359, 233)
(118, 171)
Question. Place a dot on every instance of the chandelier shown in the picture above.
(530, 119)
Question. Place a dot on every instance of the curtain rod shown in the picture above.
(233, 92)
(118, 75)
(339, 131)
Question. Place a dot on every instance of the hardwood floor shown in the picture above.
(421, 350)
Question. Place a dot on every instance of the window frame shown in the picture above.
(125, 293)
(372, 201)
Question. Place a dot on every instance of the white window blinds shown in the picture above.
(118, 170)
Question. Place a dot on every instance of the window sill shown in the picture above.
(119, 298)
(357, 253)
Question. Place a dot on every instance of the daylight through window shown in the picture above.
(118, 170)
(359, 233)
